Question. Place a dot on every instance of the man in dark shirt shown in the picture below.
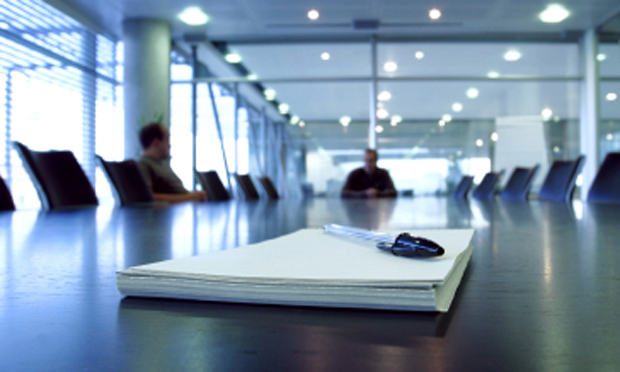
(369, 181)
(163, 182)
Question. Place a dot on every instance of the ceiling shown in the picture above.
(277, 41)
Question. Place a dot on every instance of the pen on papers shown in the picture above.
(402, 245)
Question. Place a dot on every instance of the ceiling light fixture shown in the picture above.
(252, 77)
(295, 120)
(447, 118)
(384, 96)
(493, 74)
(609, 136)
(419, 54)
(345, 121)
(325, 56)
(193, 16)
(396, 119)
(434, 14)
(441, 123)
(270, 94)
(472, 93)
(379, 129)
(313, 14)
(283, 108)
(390, 66)
(457, 107)
(546, 113)
(232, 58)
(302, 123)
(611, 96)
(479, 142)
(512, 55)
(494, 136)
(554, 13)
(382, 113)
(601, 57)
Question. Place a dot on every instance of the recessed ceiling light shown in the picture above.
(345, 121)
(434, 14)
(283, 108)
(472, 93)
(295, 120)
(556, 149)
(554, 13)
(396, 119)
(302, 123)
(609, 136)
(611, 96)
(601, 57)
(382, 113)
(384, 96)
(442, 123)
(546, 113)
(447, 118)
(193, 16)
(325, 56)
(379, 129)
(313, 14)
(252, 77)
(457, 107)
(270, 94)
(479, 142)
(232, 58)
(390, 66)
(494, 137)
(493, 74)
(419, 54)
(512, 55)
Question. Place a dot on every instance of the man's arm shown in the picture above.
(390, 190)
(348, 191)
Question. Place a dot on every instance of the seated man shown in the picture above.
(369, 181)
(163, 182)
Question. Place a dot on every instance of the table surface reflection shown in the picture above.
(541, 292)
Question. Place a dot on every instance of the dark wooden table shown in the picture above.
(541, 293)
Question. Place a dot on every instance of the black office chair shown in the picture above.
(213, 186)
(270, 189)
(127, 181)
(6, 200)
(518, 186)
(462, 189)
(487, 189)
(606, 185)
(58, 177)
(247, 186)
(560, 181)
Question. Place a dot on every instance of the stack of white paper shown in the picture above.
(311, 268)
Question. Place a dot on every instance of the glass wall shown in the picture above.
(59, 91)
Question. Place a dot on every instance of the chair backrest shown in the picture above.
(519, 184)
(247, 186)
(58, 177)
(127, 181)
(6, 200)
(462, 189)
(213, 186)
(488, 187)
(270, 189)
(606, 185)
(560, 181)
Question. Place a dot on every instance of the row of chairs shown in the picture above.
(558, 185)
(61, 182)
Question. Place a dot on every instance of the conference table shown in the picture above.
(541, 292)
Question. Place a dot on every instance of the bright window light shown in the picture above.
(554, 13)
(384, 96)
(345, 121)
(609, 136)
(457, 107)
(390, 66)
(193, 16)
(472, 93)
(512, 55)
(313, 14)
(232, 58)
(434, 14)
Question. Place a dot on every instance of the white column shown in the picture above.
(146, 79)
(588, 126)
